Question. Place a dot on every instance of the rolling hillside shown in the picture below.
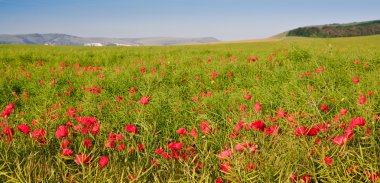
(70, 40)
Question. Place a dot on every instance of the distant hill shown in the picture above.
(64, 39)
(338, 30)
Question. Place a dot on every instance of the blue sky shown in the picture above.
(223, 19)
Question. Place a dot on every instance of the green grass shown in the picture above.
(183, 72)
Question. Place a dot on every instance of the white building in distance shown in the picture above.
(93, 44)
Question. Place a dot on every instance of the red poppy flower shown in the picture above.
(219, 180)
(357, 122)
(239, 126)
(119, 137)
(281, 113)
(340, 140)
(355, 80)
(225, 166)
(239, 147)
(141, 147)
(121, 147)
(61, 132)
(8, 110)
(248, 97)
(159, 151)
(348, 133)
(343, 112)
(87, 143)
(252, 149)
(110, 144)
(95, 129)
(175, 145)
(306, 178)
(144, 100)
(132, 90)
(131, 128)
(193, 133)
(313, 131)
(10, 106)
(328, 160)
(5, 113)
(302, 130)
(205, 126)
(82, 159)
(243, 108)
(372, 176)
(324, 108)
(362, 100)
(23, 128)
(214, 75)
(251, 166)
(181, 131)
(39, 133)
(103, 161)
(272, 129)
(119, 98)
(9, 132)
(258, 125)
(257, 107)
(294, 177)
(65, 143)
(67, 152)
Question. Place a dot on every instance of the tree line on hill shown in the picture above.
(338, 30)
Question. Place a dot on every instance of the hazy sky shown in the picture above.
(223, 19)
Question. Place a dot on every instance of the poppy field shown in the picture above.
(297, 110)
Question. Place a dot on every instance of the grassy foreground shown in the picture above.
(298, 110)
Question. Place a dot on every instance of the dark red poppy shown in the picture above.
(87, 143)
(258, 125)
(23, 128)
(313, 131)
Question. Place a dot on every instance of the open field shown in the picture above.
(283, 111)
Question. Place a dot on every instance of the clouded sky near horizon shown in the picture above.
(222, 19)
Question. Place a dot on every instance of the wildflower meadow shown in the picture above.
(297, 110)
